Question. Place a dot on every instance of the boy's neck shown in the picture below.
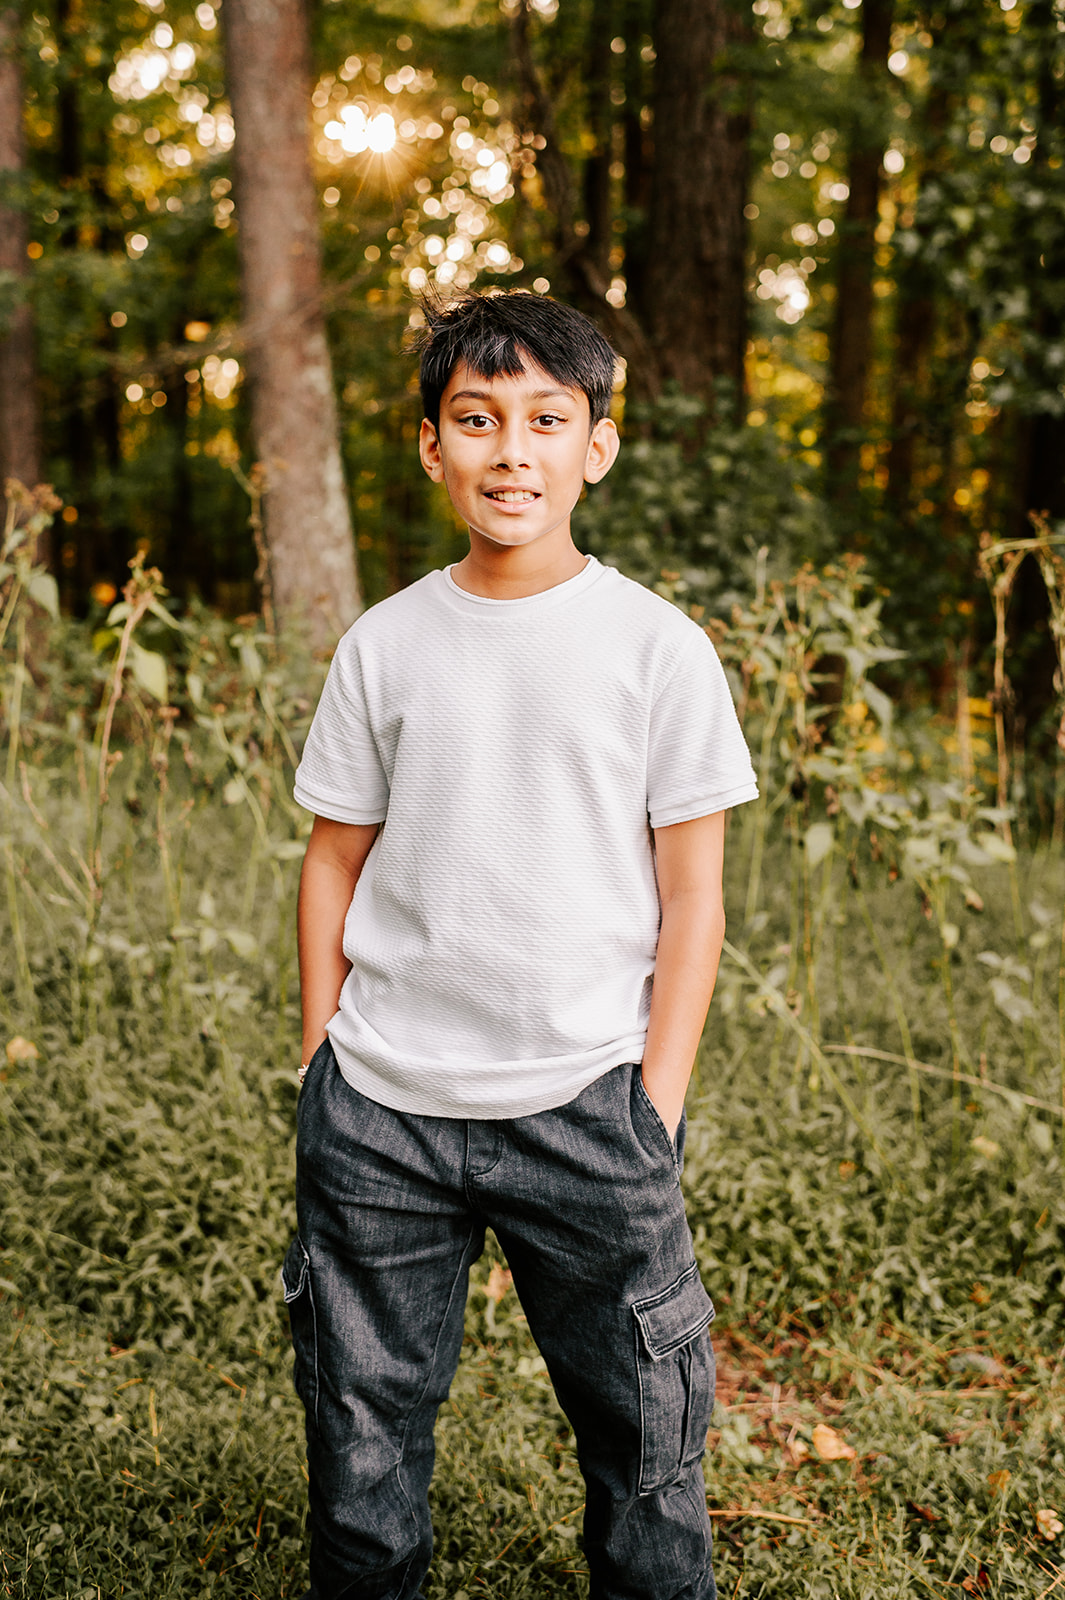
(497, 572)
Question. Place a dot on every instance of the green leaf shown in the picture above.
(233, 793)
(194, 684)
(879, 703)
(160, 611)
(43, 589)
(241, 942)
(818, 841)
(149, 669)
(289, 849)
(118, 613)
(997, 847)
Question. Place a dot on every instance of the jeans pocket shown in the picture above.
(299, 1300)
(675, 1146)
(675, 1368)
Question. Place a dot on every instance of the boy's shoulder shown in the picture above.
(393, 617)
(612, 607)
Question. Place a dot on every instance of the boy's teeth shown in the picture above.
(511, 496)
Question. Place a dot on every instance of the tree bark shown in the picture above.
(597, 207)
(294, 419)
(851, 343)
(694, 306)
(20, 431)
(685, 318)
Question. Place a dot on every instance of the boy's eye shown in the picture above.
(550, 420)
(477, 421)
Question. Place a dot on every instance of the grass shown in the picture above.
(902, 1287)
(873, 1169)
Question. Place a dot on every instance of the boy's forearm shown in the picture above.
(336, 855)
(689, 950)
(325, 895)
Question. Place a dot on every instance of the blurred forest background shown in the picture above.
(827, 239)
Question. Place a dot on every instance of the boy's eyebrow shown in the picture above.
(484, 394)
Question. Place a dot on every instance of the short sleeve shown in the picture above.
(340, 775)
(697, 761)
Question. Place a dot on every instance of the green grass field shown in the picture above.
(899, 1284)
(874, 1160)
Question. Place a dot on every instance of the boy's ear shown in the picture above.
(429, 450)
(603, 447)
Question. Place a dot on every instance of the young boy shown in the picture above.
(510, 921)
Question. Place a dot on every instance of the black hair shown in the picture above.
(495, 334)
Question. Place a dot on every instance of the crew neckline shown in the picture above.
(557, 593)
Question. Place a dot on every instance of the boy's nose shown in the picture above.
(512, 455)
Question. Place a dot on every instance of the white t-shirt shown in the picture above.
(518, 752)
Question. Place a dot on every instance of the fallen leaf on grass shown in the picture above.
(985, 1147)
(499, 1281)
(976, 1361)
(973, 1585)
(998, 1481)
(20, 1049)
(924, 1512)
(796, 1451)
(1049, 1523)
(830, 1445)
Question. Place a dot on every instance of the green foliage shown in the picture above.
(687, 512)
(873, 1163)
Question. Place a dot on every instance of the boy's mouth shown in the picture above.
(511, 497)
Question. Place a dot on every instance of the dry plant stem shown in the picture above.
(1061, 1027)
(963, 717)
(897, 1006)
(1052, 566)
(955, 1041)
(22, 966)
(161, 767)
(252, 484)
(758, 821)
(783, 1011)
(1011, 1095)
(69, 883)
(138, 603)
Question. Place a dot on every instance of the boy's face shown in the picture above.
(514, 452)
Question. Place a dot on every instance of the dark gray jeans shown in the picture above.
(586, 1203)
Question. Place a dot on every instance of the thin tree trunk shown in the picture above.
(915, 324)
(851, 343)
(695, 303)
(20, 432)
(294, 420)
(685, 316)
(597, 208)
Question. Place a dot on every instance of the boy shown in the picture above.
(510, 921)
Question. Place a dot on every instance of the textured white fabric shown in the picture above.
(503, 932)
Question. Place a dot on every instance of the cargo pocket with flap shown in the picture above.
(299, 1299)
(675, 1366)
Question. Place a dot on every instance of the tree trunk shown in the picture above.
(20, 434)
(597, 207)
(294, 420)
(694, 309)
(850, 349)
(685, 316)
